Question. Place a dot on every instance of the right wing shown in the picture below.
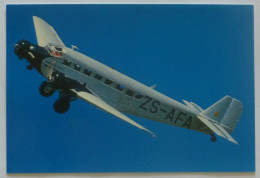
(45, 33)
(98, 102)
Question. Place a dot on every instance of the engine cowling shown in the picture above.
(22, 48)
(32, 52)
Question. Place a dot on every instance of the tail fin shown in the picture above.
(226, 112)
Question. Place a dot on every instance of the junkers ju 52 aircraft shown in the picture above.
(76, 76)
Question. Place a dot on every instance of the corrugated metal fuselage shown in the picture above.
(122, 92)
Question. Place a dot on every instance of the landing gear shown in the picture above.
(213, 138)
(62, 105)
(29, 67)
(47, 89)
(59, 82)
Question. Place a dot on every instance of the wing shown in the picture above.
(216, 128)
(45, 33)
(98, 102)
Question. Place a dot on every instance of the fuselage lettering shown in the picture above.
(143, 105)
(179, 117)
(155, 106)
(170, 115)
(187, 123)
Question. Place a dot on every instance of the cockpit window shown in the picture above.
(58, 49)
(54, 50)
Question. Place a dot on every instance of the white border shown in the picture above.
(142, 175)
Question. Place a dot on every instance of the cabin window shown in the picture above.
(138, 96)
(129, 92)
(98, 77)
(77, 67)
(120, 87)
(108, 82)
(87, 72)
(66, 62)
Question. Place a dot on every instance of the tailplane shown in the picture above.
(226, 112)
(222, 117)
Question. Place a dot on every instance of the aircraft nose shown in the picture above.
(21, 48)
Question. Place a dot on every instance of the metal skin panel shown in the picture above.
(158, 107)
(115, 92)
(232, 115)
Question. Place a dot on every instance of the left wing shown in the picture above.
(45, 33)
(98, 102)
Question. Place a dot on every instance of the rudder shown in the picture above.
(226, 112)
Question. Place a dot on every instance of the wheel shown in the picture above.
(62, 105)
(213, 138)
(29, 67)
(46, 89)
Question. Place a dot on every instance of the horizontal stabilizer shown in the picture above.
(193, 106)
(226, 112)
(98, 102)
(216, 128)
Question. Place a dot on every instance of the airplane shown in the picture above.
(77, 76)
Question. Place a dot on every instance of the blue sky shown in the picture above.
(195, 52)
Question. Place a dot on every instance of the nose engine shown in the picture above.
(32, 52)
(35, 55)
(22, 48)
